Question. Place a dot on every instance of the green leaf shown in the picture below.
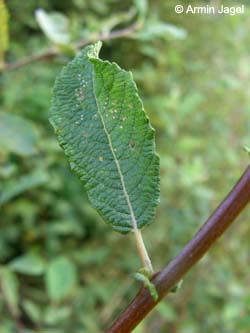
(160, 30)
(102, 126)
(60, 278)
(144, 278)
(29, 264)
(17, 135)
(55, 315)
(32, 310)
(54, 25)
(9, 286)
(17, 186)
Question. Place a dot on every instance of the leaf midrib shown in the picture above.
(130, 207)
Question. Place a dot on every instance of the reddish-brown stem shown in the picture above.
(214, 227)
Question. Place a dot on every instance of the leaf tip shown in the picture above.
(95, 50)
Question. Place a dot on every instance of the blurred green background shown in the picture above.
(63, 269)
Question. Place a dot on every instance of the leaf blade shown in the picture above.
(29, 264)
(108, 139)
(60, 278)
(54, 25)
(17, 135)
(10, 288)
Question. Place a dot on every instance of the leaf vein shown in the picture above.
(132, 214)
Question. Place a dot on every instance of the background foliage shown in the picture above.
(62, 270)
